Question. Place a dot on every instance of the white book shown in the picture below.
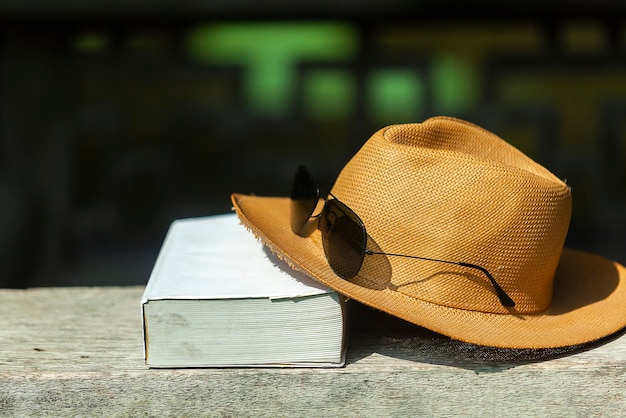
(218, 298)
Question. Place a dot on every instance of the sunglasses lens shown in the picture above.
(304, 198)
(344, 239)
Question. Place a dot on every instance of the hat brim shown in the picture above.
(588, 300)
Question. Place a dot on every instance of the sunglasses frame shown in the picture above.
(299, 228)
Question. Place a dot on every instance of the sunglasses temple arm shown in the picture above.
(505, 299)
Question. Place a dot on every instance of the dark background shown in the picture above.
(117, 117)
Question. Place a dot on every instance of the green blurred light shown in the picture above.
(455, 84)
(329, 94)
(92, 42)
(395, 95)
(269, 53)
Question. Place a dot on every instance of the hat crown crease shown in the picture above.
(449, 190)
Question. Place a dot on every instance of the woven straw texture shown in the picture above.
(449, 190)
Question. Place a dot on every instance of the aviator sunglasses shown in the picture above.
(344, 236)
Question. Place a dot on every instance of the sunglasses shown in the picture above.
(344, 236)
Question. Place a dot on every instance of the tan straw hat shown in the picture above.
(446, 189)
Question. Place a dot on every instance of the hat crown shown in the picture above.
(449, 190)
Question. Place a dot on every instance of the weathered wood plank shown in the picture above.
(78, 351)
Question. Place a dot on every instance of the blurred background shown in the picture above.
(117, 117)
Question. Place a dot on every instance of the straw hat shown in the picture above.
(449, 190)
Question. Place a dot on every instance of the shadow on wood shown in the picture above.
(377, 332)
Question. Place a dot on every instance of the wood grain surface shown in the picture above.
(78, 352)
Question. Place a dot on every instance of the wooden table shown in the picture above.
(78, 352)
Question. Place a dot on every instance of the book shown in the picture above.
(217, 297)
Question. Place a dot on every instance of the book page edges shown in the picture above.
(201, 236)
(343, 305)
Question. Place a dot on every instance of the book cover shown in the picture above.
(218, 298)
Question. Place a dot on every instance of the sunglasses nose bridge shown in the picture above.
(313, 221)
(327, 219)
(319, 207)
